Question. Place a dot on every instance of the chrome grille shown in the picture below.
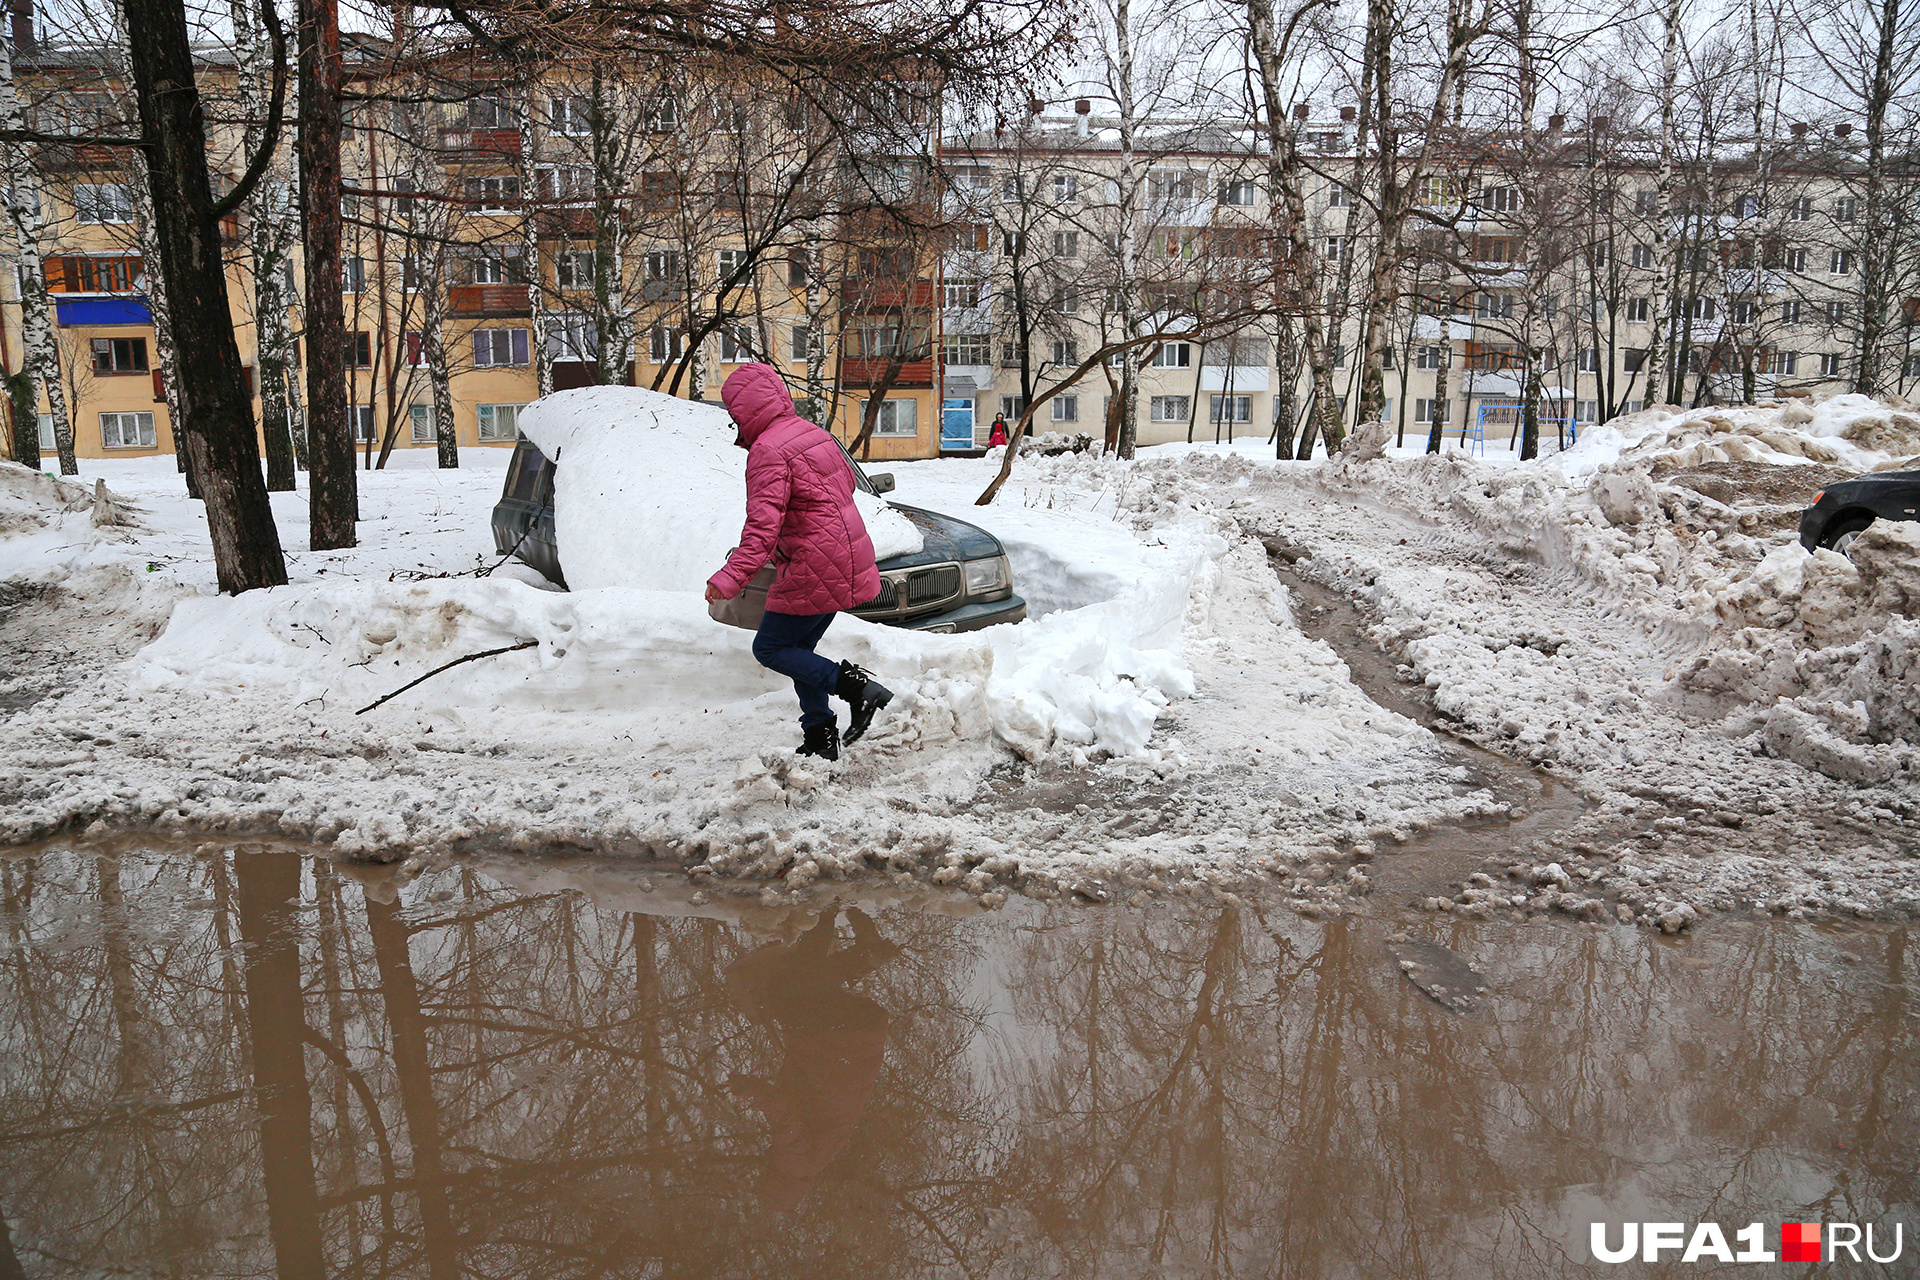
(916, 590)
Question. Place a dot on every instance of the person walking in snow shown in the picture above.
(800, 515)
(997, 436)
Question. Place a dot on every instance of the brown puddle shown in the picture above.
(253, 1064)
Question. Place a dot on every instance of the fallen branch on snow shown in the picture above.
(484, 653)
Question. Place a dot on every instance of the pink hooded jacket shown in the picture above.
(800, 511)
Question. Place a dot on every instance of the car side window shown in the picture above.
(531, 475)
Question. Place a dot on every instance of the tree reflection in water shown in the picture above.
(248, 1064)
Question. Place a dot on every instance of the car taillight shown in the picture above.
(1817, 497)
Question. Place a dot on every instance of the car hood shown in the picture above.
(945, 539)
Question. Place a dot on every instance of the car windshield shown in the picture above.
(859, 476)
(530, 465)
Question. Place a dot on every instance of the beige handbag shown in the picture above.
(745, 610)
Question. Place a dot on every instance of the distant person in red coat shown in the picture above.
(998, 436)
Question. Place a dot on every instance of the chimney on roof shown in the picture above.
(1035, 106)
(1600, 124)
(1347, 114)
(1084, 110)
(1799, 130)
(1301, 111)
(21, 12)
(1842, 130)
(1555, 123)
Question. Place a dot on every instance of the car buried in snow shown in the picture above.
(1841, 512)
(958, 581)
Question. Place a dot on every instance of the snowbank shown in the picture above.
(1851, 431)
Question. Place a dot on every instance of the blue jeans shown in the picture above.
(785, 643)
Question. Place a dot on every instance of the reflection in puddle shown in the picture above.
(250, 1065)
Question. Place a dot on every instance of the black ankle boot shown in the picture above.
(821, 740)
(864, 696)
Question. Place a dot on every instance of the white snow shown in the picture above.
(1741, 717)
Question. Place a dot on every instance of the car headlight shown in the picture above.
(986, 575)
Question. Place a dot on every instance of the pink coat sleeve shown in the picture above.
(768, 484)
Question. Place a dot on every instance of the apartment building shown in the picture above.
(492, 253)
(1544, 268)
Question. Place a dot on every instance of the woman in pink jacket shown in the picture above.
(800, 515)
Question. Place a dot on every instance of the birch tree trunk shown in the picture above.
(1663, 257)
(24, 211)
(1283, 182)
(1877, 243)
(1129, 231)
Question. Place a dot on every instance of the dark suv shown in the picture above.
(958, 581)
(1841, 511)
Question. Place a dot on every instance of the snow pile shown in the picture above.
(1851, 431)
(650, 491)
(50, 527)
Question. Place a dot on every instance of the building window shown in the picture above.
(125, 430)
(353, 275)
(733, 263)
(896, 418)
(1012, 407)
(1501, 199)
(361, 418)
(46, 433)
(499, 347)
(1495, 306)
(573, 269)
(960, 292)
(119, 355)
(1173, 355)
(420, 423)
(1790, 311)
(1841, 263)
(494, 194)
(1744, 312)
(1586, 411)
(1703, 308)
(1065, 408)
(360, 350)
(662, 113)
(801, 342)
(1065, 303)
(1066, 351)
(1427, 358)
(1642, 256)
(569, 116)
(1229, 408)
(1638, 309)
(1170, 408)
(736, 344)
(1426, 410)
(1836, 312)
(1846, 209)
(489, 111)
(1785, 363)
(966, 348)
(1800, 210)
(1013, 188)
(1830, 364)
(663, 344)
(1746, 206)
(1589, 360)
(1165, 185)
(1239, 191)
(730, 114)
(1066, 188)
(572, 337)
(500, 421)
(1066, 244)
(101, 203)
(1795, 260)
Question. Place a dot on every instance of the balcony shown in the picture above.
(856, 372)
(476, 300)
(480, 144)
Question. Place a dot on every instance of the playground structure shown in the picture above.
(1556, 433)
